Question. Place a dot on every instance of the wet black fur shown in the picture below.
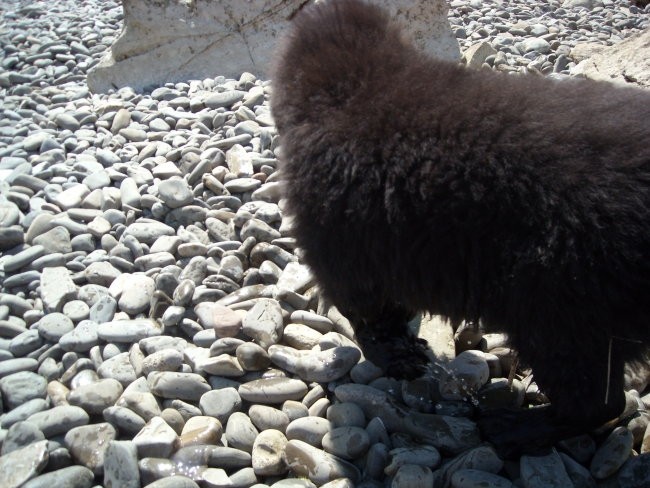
(417, 184)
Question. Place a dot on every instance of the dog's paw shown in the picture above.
(403, 357)
(408, 359)
(514, 432)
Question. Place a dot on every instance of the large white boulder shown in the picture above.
(179, 40)
(627, 62)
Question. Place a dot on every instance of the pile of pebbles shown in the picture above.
(537, 37)
(156, 325)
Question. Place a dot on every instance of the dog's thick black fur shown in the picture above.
(419, 185)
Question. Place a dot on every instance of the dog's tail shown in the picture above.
(334, 49)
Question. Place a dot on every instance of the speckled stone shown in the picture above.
(121, 465)
(23, 464)
(70, 477)
(88, 444)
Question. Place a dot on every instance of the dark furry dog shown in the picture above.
(417, 184)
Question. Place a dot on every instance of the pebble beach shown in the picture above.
(157, 326)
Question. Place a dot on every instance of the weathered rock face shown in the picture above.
(627, 62)
(177, 40)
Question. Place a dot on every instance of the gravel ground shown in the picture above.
(156, 326)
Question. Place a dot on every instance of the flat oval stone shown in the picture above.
(22, 279)
(25, 342)
(611, 455)
(18, 305)
(70, 477)
(66, 121)
(224, 99)
(164, 360)
(317, 366)
(346, 415)
(252, 357)
(273, 390)
(59, 420)
(22, 412)
(301, 336)
(11, 366)
(124, 419)
(319, 466)
(128, 330)
(72, 197)
(154, 260)
(185, 386)
(221, 403)
(151, 345)
(76, 310)
(240, 432)
(309, 429)
(34, 141)
(346, 442)
(21, 259)
(21, 387)
(241, 185)
(148, 232)
(55, 325)
(265, 417)
(121, 120)
(228, 458)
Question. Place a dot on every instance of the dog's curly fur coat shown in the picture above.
(523, 202)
